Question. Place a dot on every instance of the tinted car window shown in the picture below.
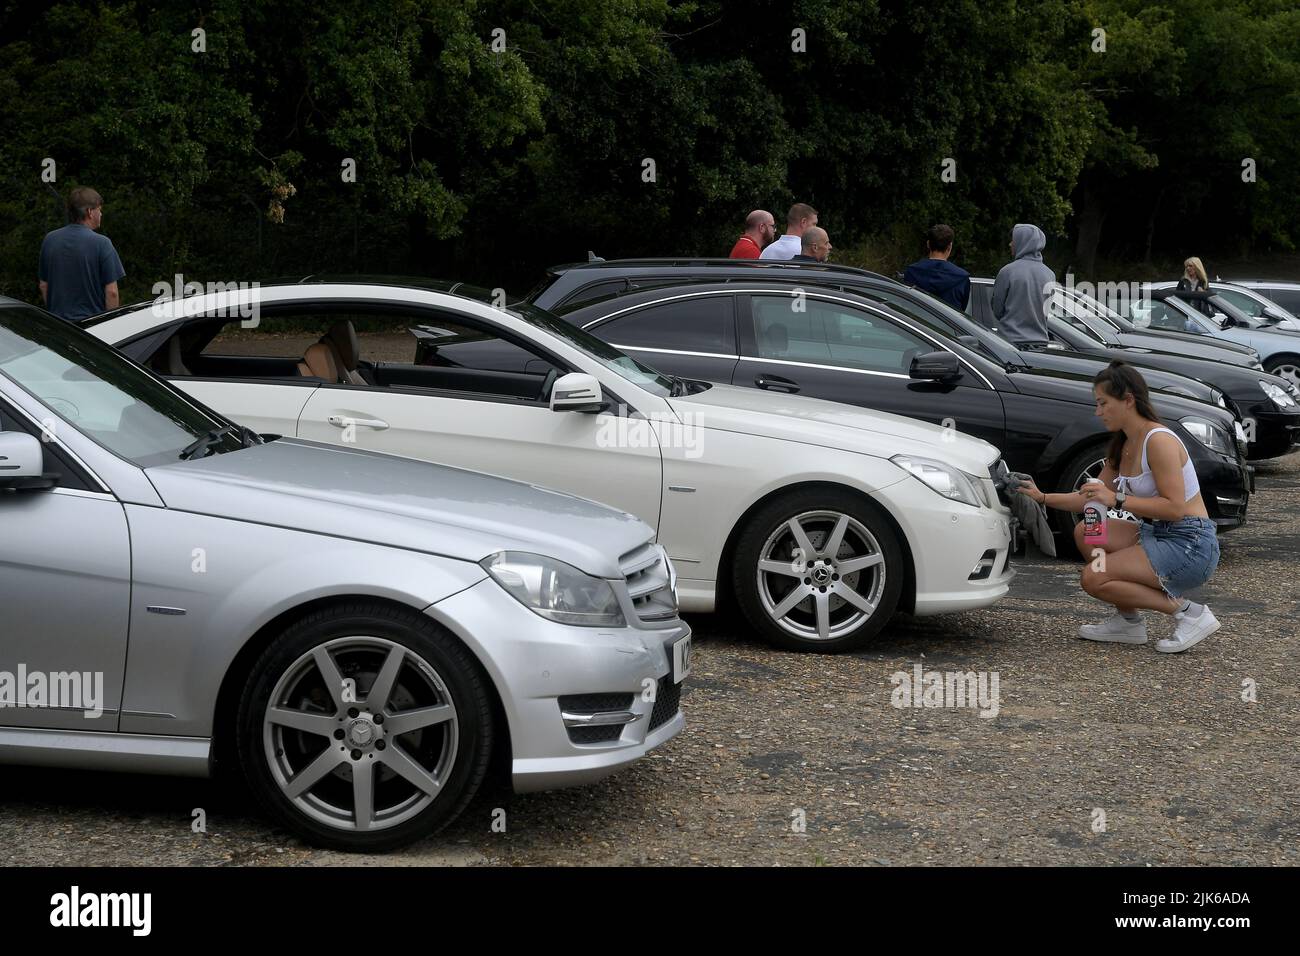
(1288, 299)
(827, 333)
(702, 324)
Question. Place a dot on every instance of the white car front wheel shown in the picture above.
(818, 571)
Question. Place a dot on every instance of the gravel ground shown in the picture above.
(1184, 770)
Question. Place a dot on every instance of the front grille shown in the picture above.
(668, 700)
(649, 583)
(595, 735)
(594, 703)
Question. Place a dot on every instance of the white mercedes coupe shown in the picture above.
(819, 520)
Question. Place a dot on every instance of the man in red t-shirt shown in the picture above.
(760, 230)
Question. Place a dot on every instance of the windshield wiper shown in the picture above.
(199, 447)
(206, 442)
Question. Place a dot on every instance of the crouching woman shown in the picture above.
(1172, 547)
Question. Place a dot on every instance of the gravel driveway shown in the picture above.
(1097, 755)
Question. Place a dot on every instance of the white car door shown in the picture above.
(487, 409)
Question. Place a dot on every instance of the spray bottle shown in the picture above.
(1094, 521)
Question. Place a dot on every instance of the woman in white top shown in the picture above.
(1172, 549)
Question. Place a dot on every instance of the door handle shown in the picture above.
(343, 421)
(775, 383)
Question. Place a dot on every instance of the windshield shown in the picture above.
(99, 392)
(1088, 315)
(1254, 305)
(1095, 307)
(620, 363)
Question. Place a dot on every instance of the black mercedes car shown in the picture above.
(1268, 406)
(842, 346)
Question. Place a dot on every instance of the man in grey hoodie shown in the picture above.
(1020, 291)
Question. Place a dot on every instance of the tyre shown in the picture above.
(1284, 366)
(365, 727)
(818, 570)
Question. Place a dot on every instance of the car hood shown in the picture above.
(1181, 337)
(1077, 389)
(812, 421)
(1226, 377)
(1086, 366)
(1214, 350)
(399, 502)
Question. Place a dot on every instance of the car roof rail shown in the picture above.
(720, 261)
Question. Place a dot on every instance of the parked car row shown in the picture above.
(868, 340)
(1267, 405)
(362, 582)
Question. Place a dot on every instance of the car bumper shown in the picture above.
(1226, 486)
(544, 671)
(950, 543)
(1276, 433)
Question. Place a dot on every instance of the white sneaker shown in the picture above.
(1189, 631)
(1117, 630)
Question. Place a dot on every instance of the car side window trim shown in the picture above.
(647, 348)
(829, 368)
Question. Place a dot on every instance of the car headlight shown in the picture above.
(1279, 395)
(554, 590)
(946, 480)
(1208, 434)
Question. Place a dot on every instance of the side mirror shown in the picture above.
(577, 392)
(970, 341)
(935, 366)
(22, 463)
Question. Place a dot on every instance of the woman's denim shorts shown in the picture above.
(1184, 553)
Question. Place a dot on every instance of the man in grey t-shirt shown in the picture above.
(79, 270)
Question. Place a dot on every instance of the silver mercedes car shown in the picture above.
(358, 634)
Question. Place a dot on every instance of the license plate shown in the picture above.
(681, 659)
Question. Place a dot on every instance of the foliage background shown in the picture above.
(488, 166)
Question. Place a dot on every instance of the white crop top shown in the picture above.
(1144, 485)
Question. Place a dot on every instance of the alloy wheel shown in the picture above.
(821, 575)
(360, 733)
